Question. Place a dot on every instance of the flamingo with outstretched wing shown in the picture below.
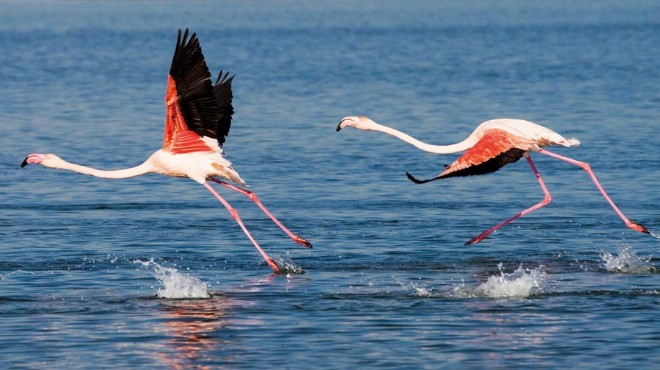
(492, 145)
(197, 122)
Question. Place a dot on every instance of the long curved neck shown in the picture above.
(115, 174)
(438, 149)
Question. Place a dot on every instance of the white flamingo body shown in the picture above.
(492, 145)
(198, 118)
(199, 166)
(535, 135)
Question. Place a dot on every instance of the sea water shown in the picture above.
(152, 272)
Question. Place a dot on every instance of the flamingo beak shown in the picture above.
(346, 121)
(33, 158)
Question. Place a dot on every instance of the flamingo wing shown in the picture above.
(495, 149)
(195, 108)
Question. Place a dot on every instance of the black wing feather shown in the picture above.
(491, 165)
(206, 109)
(223, 96)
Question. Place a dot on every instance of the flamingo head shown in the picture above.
(48, 160)
(359, 122)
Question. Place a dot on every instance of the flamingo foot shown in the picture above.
(273, 265)
(638, 227)
(478, 238)
(302, 241)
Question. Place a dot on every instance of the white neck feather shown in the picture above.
(438, 149)
(116, 174)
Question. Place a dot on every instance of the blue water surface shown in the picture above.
(88, 266)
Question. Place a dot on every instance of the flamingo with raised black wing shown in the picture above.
(198, 118)
(492, 145)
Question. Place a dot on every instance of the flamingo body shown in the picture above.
(197, 121)
(492, 145)
(199, 166)
(502, 141)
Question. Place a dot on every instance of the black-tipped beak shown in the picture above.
(25, 162)
(339, 126)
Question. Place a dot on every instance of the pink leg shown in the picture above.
(585, 166)
(234, 215)
(547, 199)
(253, 197)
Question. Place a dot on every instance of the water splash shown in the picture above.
(655, 235)
(626, 261)
(175, 284)
(288, 267)
(418, 289)
(462, 291)
(422, 290)
(519, 284)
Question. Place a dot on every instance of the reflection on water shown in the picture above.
(191, 327)
(497, 335)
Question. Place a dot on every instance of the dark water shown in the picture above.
(90, 268)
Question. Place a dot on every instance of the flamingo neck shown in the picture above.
(114, 174)
(438, 149)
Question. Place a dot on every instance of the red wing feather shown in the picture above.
(194, 105)
(173, 119)
(178, 139)
(495, 149)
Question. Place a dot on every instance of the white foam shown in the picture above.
(421, 290)
(519, 284)
(462, 291)
(176, 284)
(626, 261)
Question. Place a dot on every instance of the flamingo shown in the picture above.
(198, 117)
(492, 145)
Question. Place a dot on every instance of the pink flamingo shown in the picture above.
(492, 145)
(197, 121)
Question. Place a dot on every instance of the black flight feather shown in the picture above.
(491, 165)
(206, 109)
